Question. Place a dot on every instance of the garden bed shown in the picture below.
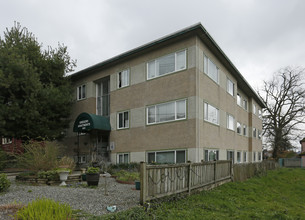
(42, 181)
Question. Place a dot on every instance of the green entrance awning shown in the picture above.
(86, 122)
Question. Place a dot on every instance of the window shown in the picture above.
(123, 78)
(167, 64)
(245, 157)
(210, 69)
(170, 111)
(238, 128)
(238, 100)
(259, 156)
(123, 158)
(254, 132)
(230, 155)
(238, 157)
(254, 156)
(82, 159)
(176, 156)
(7, 141)
(245, 130)
(81, 92)
(123, 119)
(245, 104)
(211, 155)
(211, 114)
(102, 97)
(230, 87)
(254, 109)
(260, 113)
(259, 134)
(230, 122)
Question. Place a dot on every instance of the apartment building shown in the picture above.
(173, 100)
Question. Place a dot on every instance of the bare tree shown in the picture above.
(284, 97)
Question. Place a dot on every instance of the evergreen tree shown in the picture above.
(35, 94)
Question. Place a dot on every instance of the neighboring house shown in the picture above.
(11, 145)
(173, 100)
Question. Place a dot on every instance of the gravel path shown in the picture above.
(93, 201)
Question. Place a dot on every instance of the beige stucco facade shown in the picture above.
(193, 136)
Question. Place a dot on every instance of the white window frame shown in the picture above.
(125, 125)
(165, 151)
(216, 151)
(81, 92)
(229, 116)
(156, 75)
(124, 73)
(245, 130)
(206, 68)
(254, 132)
(245, 156)
(245, 104)
(239, 99)
(238, 125)
(259, 156)
(123, 156)
(230, 82)
(81, 159)
(229, 152)
(176, 113)
(206, 114)
(260, 113)
(238, 158)
(7, 140)
(254, 109)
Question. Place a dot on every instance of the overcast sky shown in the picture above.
(258, 36)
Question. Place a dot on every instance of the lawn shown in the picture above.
(279, 195)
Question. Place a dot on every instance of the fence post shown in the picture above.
(232, 173)
(215, 162)
(189, 180)
(143, 182)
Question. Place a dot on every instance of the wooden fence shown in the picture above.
(242, 172)
(158, 181)
(163, 180)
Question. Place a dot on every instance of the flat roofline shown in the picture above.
(199, 30)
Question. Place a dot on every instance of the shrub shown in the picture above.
(93, 170)
(50, 175)
(45, 209)
(39, 156)
(3, 158)
(4, 182)
(66, 162)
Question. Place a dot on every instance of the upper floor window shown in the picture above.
(123, 78)
(123, 119)
(167, 64)
(211, 114)
(230, 87)
(211, 155)
(254, 132)
(238, 99)
(254, 109)
(210, 69)
(260, 114)
(81, 92)
(230, 122)
(238, 128)
(245, 104)
(164, 112)
(245, 130)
